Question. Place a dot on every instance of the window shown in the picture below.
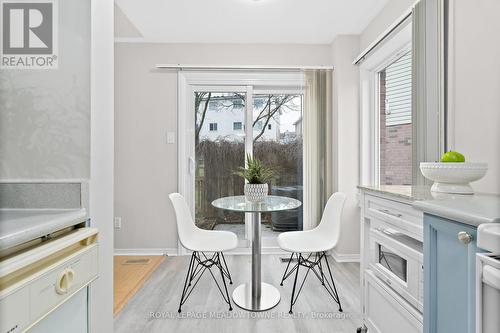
(237, 103)
(259, 102)
(282, 147)
(395, 152)
(269, 126)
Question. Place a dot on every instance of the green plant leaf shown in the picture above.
(255, 172)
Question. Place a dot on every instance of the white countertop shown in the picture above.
(469, 209)
(406, 192)
(18, 226)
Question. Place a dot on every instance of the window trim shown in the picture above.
(369, 130)
(429, 85)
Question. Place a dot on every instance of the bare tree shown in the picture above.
(275, 104)
(200, 97)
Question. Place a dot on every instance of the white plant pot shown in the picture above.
(256, 192)
(453, 177)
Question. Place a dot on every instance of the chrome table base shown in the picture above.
(269, 297)
(256, 296)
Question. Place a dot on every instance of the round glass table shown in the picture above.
(256, 295)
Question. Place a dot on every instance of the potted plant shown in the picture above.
(257, 175)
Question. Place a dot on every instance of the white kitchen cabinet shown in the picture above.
(386, 311)
(387, 308)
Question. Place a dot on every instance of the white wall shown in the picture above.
(101, 162)
(391, 12)
(475, 86)
(346, 118)
(146, 108)
(346, 124)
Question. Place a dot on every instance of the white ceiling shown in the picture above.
(249, 21)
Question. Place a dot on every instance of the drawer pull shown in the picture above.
(388, 212)
(464, 237)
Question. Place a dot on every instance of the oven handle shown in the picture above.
(405, 251)
(491, 276)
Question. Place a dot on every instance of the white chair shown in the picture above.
(310, 247)
(200, 241)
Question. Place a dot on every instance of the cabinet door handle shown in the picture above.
(464, 237)
(388, 212)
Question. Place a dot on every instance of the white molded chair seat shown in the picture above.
(211, 241)
(322, 238)
(305, 241)
(196, 239)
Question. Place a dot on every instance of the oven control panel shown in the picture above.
(31, 291)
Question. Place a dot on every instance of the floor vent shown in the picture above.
(142, 261)
(287, 259)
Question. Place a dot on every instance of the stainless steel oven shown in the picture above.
(397, 259)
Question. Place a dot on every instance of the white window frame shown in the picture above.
(225, 81)
(392, 49)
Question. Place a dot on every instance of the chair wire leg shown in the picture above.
(321, 269)
(224, 281)
(286, 270)
(227, 269)
(188, 279)
(295, 284)
(333, 282)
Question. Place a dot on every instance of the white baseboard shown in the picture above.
(339, 257)
(146, 252)
(271, 250)
(344, 257)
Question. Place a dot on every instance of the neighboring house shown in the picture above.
(298, 126)
(395, 123)
(225, 120)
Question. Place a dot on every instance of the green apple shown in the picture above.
(453, 157)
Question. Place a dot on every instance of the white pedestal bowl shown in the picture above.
(453, 177)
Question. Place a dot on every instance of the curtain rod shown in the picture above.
(383, 36)
(236, 67)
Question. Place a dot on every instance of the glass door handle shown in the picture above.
(191, 165)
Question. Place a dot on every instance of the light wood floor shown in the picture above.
(130, 276)
(161, 293)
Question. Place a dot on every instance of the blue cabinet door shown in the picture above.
(449, 281)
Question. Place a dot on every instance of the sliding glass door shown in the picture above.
(219, 150)
(230, 123)
(277, 141)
